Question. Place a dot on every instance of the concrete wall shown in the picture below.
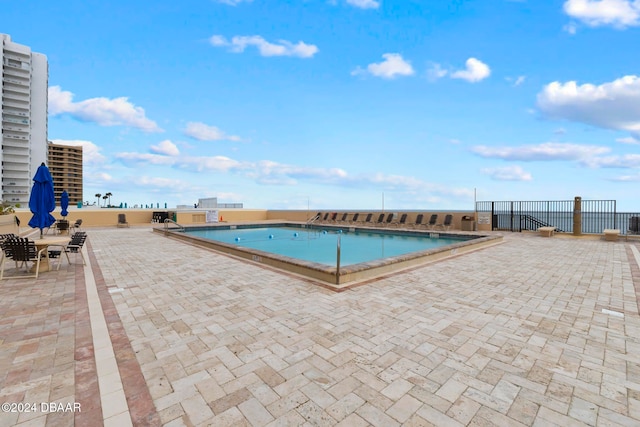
(8, 224)
(411, 215)
(137, 217)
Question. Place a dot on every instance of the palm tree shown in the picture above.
(98, 195)
(109, 196)
(105, 200)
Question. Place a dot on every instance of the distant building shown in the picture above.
(212, 203)
(65, 165)
(25, 76)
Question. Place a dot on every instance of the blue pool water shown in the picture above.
(319, 246)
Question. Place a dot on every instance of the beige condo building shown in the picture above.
(65, 165)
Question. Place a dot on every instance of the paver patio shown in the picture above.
(534, 332)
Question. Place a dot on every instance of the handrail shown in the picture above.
(529, 219)
(313, 219)
(168, 221)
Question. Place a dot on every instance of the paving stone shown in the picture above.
(514, 334)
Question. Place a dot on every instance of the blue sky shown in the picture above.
(344, 103)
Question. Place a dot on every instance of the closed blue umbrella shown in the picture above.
(42, 200)
(64, 203)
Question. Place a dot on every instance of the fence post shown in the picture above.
(577, 216)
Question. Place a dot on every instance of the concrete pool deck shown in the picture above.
(153, 331)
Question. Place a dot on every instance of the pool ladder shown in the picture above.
(313, 219)
(168, 221)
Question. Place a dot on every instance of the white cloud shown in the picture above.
(626, 178)
(595, 13)
(103, 111)
(90, 152)
(203, 132)
(392, 66)
(541, 152)
(165, 147)
(435, 72)
(627, 161)
(612, 105)
(282, 48)
(268, 172)
(364, 4)
(475, 71)
(507, 173)
(517, 81)
(628, 140)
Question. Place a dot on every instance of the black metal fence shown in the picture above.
(594, 215)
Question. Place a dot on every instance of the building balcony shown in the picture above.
(15, 120)
(9, 95)
(12, 143)
(15, 71)
(22, 105)
(19, 178)
(14, 112)
(14, 128)
(20, 151)
(15, 81)
(16, 56)
(19, 89)
(19, 64)
(15, 137)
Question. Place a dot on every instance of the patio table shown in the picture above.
(44, 243)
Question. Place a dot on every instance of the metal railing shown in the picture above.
(168, 221)
(314, 218)
(594, 216)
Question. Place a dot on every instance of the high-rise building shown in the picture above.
(25, 76)
(65, 165)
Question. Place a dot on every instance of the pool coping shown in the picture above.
(347, 275)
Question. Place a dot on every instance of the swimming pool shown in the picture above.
(312, 250)
(320, 244)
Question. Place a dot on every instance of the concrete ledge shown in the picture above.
(611, 234)
(546, 231)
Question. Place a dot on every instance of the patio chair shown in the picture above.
(4, 237)
(122, 220)
(418, 222)
(389, 219)
(62, 226)
(380, 219)
(447, 222)
(21, 250)
(367, 219)
(343, 218)
(354, 220)
(433, 221)
(77, 225)
(74, 246)
(334, 215)
(402, 221)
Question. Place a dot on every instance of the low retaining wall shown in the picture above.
(104, 217)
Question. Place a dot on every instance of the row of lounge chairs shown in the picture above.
(382, 220)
